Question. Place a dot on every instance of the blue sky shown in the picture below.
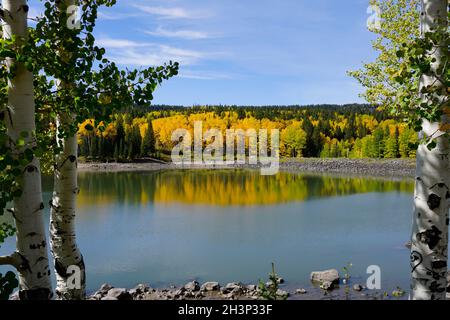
(245, 52)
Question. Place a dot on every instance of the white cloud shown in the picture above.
(133, 53)
(116, 16)
(118, 43)
(204, 75)
(172, 12)
(172, 51)
(182, 34)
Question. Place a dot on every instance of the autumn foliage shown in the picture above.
(317, 131)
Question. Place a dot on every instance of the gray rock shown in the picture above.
(251, 287)
(280, 280)
(97, 296)
(119, 294)
(331, 275)
(230, 287)
(141, 288)
(192, 286)
(139, 297)
(327, 285)
(282, 293)
(357, 287)
(300, 291)
(210, 286)
(408, 244)
(109, 298)
(134, 293)
(237, 291)
(180, 291)
(233, 285)
(105, 288)
(229, 296)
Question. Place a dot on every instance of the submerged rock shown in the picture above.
(357, 287)
(282, 293)
(301, 291)
(331, 275)
(327, 285)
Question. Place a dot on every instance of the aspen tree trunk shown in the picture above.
(69, 263)
(429, 251)
(31, 257)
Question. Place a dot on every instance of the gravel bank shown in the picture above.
(360, 167)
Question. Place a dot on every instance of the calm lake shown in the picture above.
(170, 227)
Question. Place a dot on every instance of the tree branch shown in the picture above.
(14, 260)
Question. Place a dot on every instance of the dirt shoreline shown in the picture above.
(388, 168)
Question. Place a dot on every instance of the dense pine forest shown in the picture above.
(328, 131)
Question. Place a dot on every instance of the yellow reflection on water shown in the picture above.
(222, 187)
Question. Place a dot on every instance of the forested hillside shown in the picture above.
(354, 131)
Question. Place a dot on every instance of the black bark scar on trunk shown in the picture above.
(416, 260)
(439, 264)
(434, 201)
(436, 287)
(61, 270)
(430, 237)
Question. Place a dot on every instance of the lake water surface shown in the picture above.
(173, 226)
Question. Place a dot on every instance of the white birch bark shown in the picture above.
(429, 251)
(62, 224)
(31, 258)
(69, 263)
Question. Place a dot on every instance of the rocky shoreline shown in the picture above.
(238, 291)
(325, 285)
(392, 168)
